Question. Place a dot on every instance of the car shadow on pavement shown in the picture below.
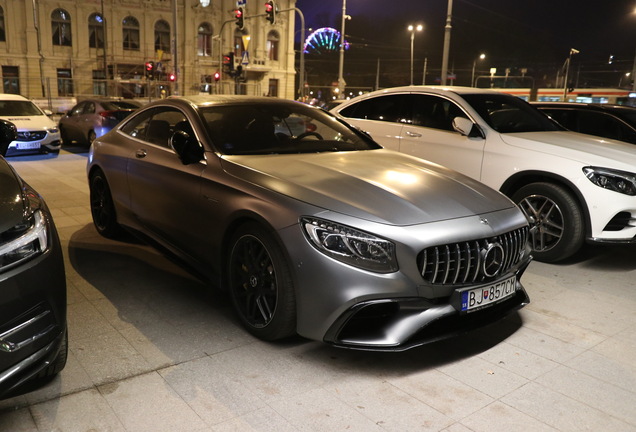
(148, 289)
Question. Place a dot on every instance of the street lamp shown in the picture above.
(481, 57)
(412, 29)
(341, 81)
(567, 72)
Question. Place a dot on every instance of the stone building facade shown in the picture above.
(69, 48)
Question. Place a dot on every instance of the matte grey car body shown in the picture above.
(321, 233)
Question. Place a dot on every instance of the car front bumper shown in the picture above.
(32, 316)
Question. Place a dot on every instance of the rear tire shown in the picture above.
(260, 284)
(102, 206)
(556, 220)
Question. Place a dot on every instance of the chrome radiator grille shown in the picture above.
(472, 261)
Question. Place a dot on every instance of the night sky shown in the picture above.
(532, 34)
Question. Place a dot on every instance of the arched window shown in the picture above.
(204, 40)
(3, 33)
(61, 27)
(130, 28)
(162, 36)
(272, 45)
(95, 31)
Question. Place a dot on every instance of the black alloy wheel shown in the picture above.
(556, 220)
(102, 207)
(260, 284)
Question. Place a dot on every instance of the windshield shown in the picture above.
(508, 114)
(19, 108)
(265, 128)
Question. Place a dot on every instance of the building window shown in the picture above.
(204, 40)
(130, 28)
(64, 82)
(272, 46)
(95, 31)
(239, 46)
(162, 36)
(99, 82)
(3, 33)
(272, 88)
(11, 79)
(61, 27)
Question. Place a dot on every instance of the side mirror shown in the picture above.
(187, 148)
(48, 112)
(8, 133)
(466, 127)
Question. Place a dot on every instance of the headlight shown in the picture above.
(618, 181)
(24, 241)
(351, 246)
(53, 130)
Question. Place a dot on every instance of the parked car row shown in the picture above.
(310, 225)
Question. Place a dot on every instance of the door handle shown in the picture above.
(140, 154)
(413, 134)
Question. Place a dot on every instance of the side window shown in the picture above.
(89, 108)
(433, 112)
(599, 124)
(78, 109)
(156, 126)
(566, 117)
(387, 108)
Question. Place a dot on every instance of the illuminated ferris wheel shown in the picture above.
(324, 40)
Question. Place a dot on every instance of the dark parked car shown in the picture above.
(605, 120)
(93, 118)
(33, 337)
(317, 231)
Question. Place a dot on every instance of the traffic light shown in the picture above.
(172, 77)
(239, 16)
(228, 62)
(150, 69)
(270, 11)
(217, 76)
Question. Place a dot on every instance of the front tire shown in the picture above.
(556, 220)
(260, 284)
(102, 206)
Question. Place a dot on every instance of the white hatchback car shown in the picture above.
(37, 133)
(572, 187)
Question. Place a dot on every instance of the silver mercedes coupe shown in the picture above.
(309, 225)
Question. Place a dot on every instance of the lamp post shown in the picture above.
(341, 81)
(447, 37)
(481, 57)
(412, 29)
(567, 71)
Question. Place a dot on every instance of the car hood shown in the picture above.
(586, 149)
(377, 185)
(30, 122)
(11, 203)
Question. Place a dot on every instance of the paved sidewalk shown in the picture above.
(153, 349)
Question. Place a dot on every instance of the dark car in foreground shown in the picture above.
(605, 120)
(316, 231)
(33, 337)
(92, 118)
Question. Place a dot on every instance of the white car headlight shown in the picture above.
(351, 246)
(618, 181)
(24, 241)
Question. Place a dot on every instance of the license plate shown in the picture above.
(477, 298)
(28, 145)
